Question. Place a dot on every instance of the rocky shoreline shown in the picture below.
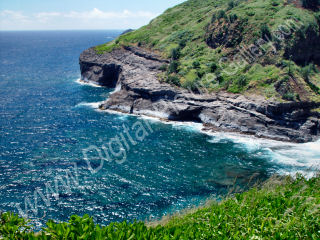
(134, 72)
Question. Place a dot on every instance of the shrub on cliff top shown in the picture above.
(174, 80)
(173, 67)
(175, 53)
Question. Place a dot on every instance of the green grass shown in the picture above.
(282, 208)
(185, 27)
(106, 48)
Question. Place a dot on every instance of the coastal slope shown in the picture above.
(162, 70)
(134, 72)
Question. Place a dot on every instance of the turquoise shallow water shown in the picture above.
(47, 120)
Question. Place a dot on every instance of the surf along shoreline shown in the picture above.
(133, 73)
(286, 153)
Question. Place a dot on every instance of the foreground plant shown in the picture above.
(13, 227)
(282, 208)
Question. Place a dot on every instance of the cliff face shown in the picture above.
(134, 71)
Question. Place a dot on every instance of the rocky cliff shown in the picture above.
(134, 71)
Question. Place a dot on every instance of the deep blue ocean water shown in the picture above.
(47, 119)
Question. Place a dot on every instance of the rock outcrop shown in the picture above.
(135, 72)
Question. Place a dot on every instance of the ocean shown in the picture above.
(60, 155)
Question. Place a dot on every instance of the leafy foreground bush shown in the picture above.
(282, 208)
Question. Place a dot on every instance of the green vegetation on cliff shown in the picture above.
(265, 47)
(282, 208)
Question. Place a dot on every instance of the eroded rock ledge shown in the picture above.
(134, 71)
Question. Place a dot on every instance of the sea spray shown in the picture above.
(303, 158)
(87, 83)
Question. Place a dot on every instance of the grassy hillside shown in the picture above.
(211, 45)
(282, 208)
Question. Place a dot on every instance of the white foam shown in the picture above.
(117, 88)
(291, 158)
(87, 83)
(156, 114)
(190, 126)
(250, 143)
(93, 105)
(158, 117)
(300, 155)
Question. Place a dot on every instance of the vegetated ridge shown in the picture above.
(245, 66)
(278, 42)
